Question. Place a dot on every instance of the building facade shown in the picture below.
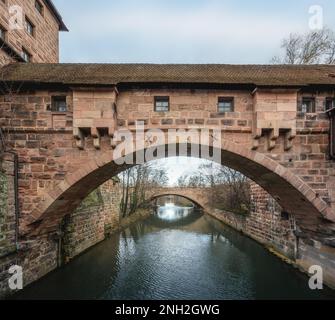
(29, 31)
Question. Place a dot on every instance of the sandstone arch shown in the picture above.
(291, 192)
(197, 196)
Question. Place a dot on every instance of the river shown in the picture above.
(177, 253)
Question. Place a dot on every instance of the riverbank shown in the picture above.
(304, 257)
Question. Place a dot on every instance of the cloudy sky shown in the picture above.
(182, 31)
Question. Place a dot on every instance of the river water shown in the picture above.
(177, 253)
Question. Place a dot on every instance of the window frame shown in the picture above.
(161, 99)
(311, 99)
(332, 100)
(4, 32)
(225, 100)
(25, 52)
(39, 7)
(29, 26)
(54, 101)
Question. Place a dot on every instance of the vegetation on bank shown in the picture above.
(230, 188)
(136, 183)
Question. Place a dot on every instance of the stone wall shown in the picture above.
(266, 222)
(269, 225)
(88, 226)
(43, 46)
(80, 230)
(7, 206)
(37, 258)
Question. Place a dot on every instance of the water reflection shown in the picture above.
(175, 255)
(171, 212)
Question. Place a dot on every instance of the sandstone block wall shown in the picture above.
(44, 44)
(265, 223)
(7, 206)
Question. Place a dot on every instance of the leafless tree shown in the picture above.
(311, 48)
(136, 183)
(229, 188)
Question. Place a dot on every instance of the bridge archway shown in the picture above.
(294, 195)
(195, 196)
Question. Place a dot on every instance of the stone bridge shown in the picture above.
(199, 196)
(64, 123)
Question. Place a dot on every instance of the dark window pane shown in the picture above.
(29, 27)
(307, 105)
(2, 33)
(225, 104)
(162, 104)
(39, 7)
(58, 104)
(330, 103)
(26, 55)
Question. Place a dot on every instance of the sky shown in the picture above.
(182, 31)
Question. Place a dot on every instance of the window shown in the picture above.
(58, 104)
(225, 104)
(307, 105)
(3, 33)
(29, 27)
(162, 104)
(26, 55)
(330, 103)
(39, 7)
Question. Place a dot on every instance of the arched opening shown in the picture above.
(291, 192)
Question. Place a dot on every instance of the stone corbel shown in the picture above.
(80, 138)
(111, 131)
(272, 138)
(257, 135)
(289, 136)
(96, 137)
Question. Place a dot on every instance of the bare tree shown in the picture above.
(136, 183)
(310, 48)
(230, 189)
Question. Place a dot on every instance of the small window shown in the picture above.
(162, 104)
(330, 103)
(3, 33)
(26, 55)
(225, 104)
(29, 27)
(58, 104)
(307, 105)
(39, 7)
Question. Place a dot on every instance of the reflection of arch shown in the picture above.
(194, 215)
(294, 195)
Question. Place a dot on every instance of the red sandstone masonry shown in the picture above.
(44, 45)
(51, 163)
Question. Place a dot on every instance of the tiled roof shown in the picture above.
(113, 74)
